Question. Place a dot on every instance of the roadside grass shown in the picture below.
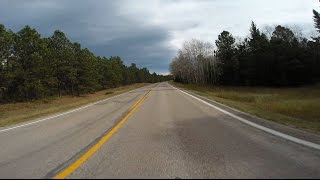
(19, 112)
(295, 107)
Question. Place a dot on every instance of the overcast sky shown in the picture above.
(149, 32)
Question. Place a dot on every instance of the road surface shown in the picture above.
(164, 134)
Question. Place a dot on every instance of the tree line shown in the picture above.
(281, 58)
(33, 67)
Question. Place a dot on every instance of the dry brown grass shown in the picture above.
(19, 112)
(296, 107)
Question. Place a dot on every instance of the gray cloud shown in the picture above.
(148, 32)
(145, 47)
(96, 25)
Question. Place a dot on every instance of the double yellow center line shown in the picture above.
(75, 165)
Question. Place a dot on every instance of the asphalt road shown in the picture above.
(167, 135)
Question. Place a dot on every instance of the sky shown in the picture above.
(149, 32)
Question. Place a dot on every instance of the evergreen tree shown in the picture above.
(316, 19)
(226, 55)
(284, 59)
(32, 67)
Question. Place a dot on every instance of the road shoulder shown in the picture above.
(297, 133)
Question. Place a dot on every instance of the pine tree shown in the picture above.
(30, 71)
(226, 55)
(316, 18)
(32, 67)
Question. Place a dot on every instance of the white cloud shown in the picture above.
(205, 19)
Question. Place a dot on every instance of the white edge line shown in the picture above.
(273, 132)
(65, 113)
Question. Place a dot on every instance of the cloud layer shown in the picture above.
(149, 32)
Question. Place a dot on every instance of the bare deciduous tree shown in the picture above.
(195, 63)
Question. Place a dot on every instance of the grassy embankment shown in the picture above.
(24, 111)
(295, 107)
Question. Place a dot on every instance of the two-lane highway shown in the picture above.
(163, 133)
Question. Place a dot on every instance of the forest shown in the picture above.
(33, 67)
(277, 57)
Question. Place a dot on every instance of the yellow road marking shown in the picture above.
(74, 166)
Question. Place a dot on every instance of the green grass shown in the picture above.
(19, 112)
(295, 107)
